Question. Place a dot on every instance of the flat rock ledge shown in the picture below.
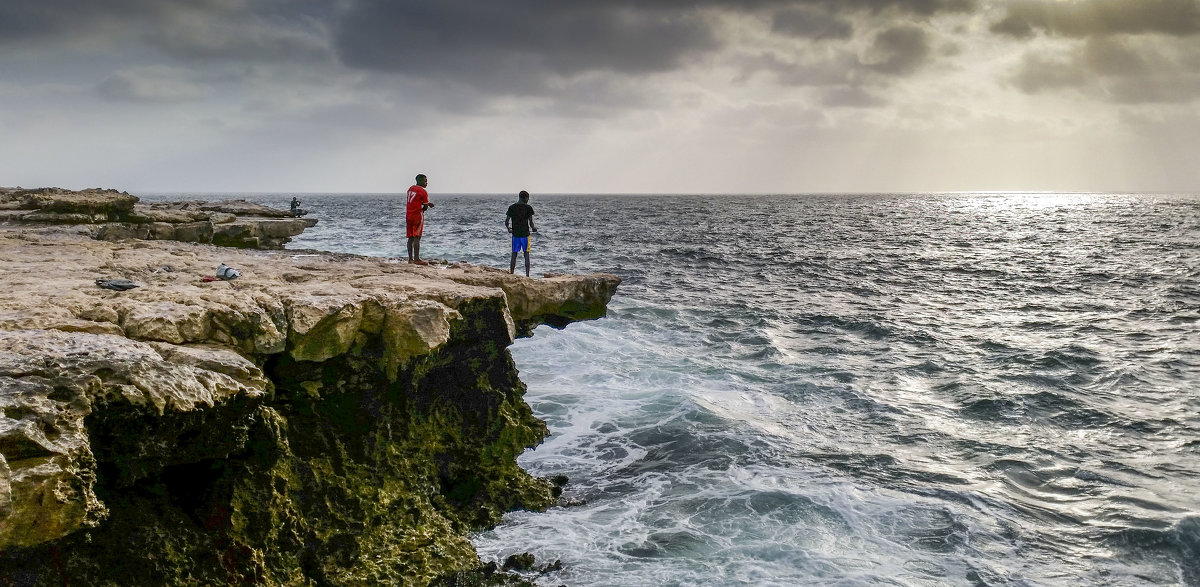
(323, 419)
(112, 215)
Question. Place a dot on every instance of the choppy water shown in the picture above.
(964, 389)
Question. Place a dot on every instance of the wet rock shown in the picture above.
(519, 562)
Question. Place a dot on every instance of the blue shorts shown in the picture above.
(520, 244)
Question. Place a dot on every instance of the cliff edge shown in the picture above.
(323, 419)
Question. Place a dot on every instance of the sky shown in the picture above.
(601, 96)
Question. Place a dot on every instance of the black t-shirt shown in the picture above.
(520, 214)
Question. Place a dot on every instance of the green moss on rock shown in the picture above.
(358, 470)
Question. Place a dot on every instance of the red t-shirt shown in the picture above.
(417, 196)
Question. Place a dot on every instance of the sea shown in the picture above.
(848, 389)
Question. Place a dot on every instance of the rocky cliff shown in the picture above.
(321, 420)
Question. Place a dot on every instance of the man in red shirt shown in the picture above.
(418, 202)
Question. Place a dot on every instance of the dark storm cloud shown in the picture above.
(247, 38)
(1038, 74)
(807, 22)
(22, 20)
(456, 37)
(851, 78)
(460, 39)
(922, 8)
(899, 50)
(1100, 17)
(229, 30)
(1119, 70)
(1113, 57)
(551, 49)
(516, 47)
(840, 68)
(1126, 51)
(153, 84)
(816, 19)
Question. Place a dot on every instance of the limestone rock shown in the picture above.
(44, 217)
(544, 301)
(143, 213)
(244, 208)
(114, 216)
(258, 232)
(52, 381)
(323, 326)
(110, 204)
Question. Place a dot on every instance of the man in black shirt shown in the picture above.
(519, 222)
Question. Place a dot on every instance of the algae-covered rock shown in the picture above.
(322, 327)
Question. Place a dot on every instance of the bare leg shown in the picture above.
(410, 249)
(526, 262)
(512, 263)
(417, 250)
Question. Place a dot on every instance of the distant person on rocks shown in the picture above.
(519, 222)
(418, 203)
(296, 210)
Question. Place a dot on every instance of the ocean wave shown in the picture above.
(1178, 544)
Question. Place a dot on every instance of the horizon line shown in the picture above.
(173, 192)
(655, 193)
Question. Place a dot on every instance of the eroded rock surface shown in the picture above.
(322, 419)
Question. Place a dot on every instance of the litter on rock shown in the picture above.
(116, 284)
(226, 272)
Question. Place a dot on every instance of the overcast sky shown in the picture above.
(601, 96)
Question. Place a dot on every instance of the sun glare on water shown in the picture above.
(1035, 200)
